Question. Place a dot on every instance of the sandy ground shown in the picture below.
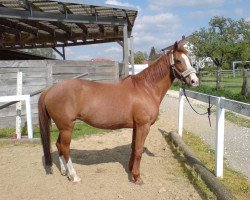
(101, 161)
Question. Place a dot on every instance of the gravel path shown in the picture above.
(237, 139)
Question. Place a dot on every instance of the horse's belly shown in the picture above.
(106, 118)
(108, 124)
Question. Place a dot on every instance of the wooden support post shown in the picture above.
(19, 104)
(132, 60)
(63, 49)
(125, 50)
(245, 89)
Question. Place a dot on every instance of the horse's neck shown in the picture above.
(163, 85)
(158, 77)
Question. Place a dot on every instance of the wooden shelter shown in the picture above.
(26, 24)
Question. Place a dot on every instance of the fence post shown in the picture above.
(180, 116)
(220, 123)
(19, 104)
(29, 119)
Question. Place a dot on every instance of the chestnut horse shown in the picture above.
(131, 103)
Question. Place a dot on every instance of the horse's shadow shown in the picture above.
(120, 154)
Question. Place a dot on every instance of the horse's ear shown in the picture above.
(175, 47)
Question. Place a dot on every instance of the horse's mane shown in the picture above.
(157, 70)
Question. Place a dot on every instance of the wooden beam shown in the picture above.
(101, 30)
(116, 29)
(40, 26)
(18, 26)
(50, 39)
(5, 29)
(58, 17)
(47, 45)
(63, 27)
(83, 27)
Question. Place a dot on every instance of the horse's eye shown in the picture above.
(177, 61)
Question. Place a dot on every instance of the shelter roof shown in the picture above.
(28, 24)
(20, 55)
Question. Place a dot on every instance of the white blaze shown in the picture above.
(187, 62)
(193, 78)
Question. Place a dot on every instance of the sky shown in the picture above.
(160, 23)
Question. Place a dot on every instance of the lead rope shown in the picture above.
(208, 109)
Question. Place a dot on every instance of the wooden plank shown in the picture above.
(71, 64)
(62, 70)
(40, 74)
(11, 110)
(10, 121)
(202, 97)
(236, 106)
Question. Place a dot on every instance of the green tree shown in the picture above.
(46, 52)
(153, 55)
(139, 57)
(145, 55)
(223, 41)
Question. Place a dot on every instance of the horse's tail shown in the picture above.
(44, 125)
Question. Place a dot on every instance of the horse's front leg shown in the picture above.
(140, 137)
(131, 161)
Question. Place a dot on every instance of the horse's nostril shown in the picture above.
(194, 82)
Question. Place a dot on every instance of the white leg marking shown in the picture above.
(72, 172)
(63, 166)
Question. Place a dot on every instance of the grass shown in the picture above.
(231, 87)
(188, 172)
(210, 90)
(238, 120)
(80, 130)
(237, 183)
(228, 82)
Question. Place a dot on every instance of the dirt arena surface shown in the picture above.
(101, 161)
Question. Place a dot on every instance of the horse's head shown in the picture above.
(181, 65)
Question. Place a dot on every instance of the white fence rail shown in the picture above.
(25, 98)
(221, 104)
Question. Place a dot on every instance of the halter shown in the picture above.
(182, 75)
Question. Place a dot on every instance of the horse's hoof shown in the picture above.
(49, 169)
(63, 172)
(139, 181)
(74, 179)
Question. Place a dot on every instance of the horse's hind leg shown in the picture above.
(131, 161)
(61, 157)
(65, 139)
